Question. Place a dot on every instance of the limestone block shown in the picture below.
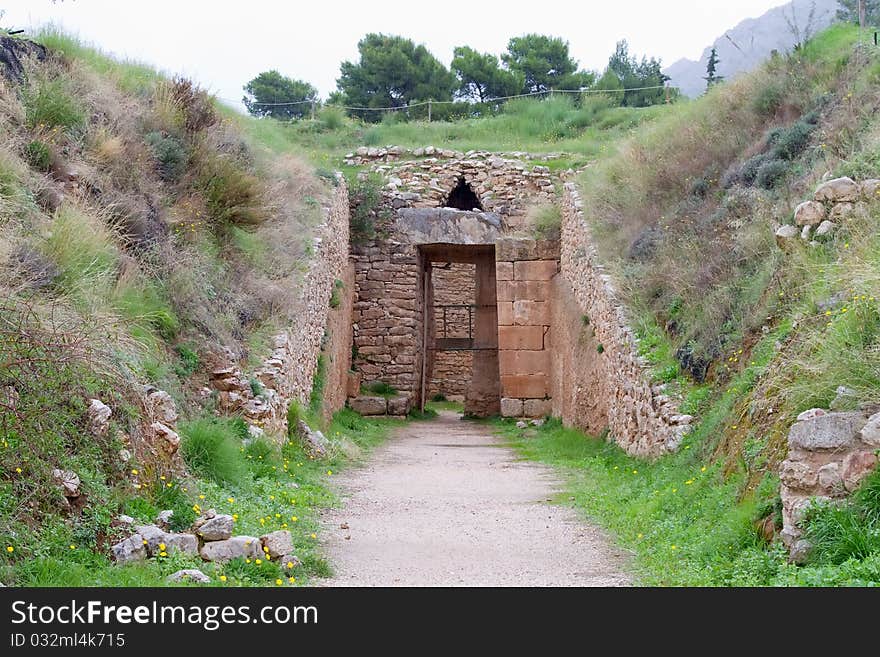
(517, 361)
(531, 313)
(857, 466)
(505, 313)
(504, 271)
(525, 386)
(368, 405)
(399, 405)
(537, 407)
(535, 270)
(521, 337)
(826, 432)
(511, 407)
(237, 546)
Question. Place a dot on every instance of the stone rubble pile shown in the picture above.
(829, 453)
(370, 154)
(833, 204)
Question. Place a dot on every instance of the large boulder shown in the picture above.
(399, 405)
(826, 432)
(369, 405)
(231, 548)
(277, 544)
(871, 189)
(218, 528)
(809, 213)
(161, 406)
(870, 433)
(129, 550)
(838, 190)
(166, 437)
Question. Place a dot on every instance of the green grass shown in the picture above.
(379, 388)
(210, 448)
(581, 131)
(269, 487)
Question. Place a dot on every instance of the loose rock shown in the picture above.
(231, 548)
(189, 575)
(277, 543)
(218, 528)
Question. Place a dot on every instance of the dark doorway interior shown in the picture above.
(462, 197)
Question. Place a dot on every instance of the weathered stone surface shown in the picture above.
(369, 405)
(448, 226)
(231, 548)
(871, 190)
(826, 432)
(534, 270)
(399, 405)
(838, 190)
(811, 413)
(313, 441)
(163, 519)
(841, 212)
(526, 386)
(797, 475)
(511, 407)
(857, 466)
(129, 550)
(69, 482)
(785, 235)
(830, 479)
(218, 528)
(288, 563)
(155, 538)
(99, 417)
(537, 408)
(870, 433)
(166, 437)
(277, 544)
(825, 228)
(189, 575)
(809, 213)
(526, 338)
(161, 406)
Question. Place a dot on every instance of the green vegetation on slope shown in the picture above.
(747, 336)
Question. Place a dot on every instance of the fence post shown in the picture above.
(313, 110)
(429, 111)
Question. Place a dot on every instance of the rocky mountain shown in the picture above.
(743, 47)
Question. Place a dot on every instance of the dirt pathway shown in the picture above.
(443, 503)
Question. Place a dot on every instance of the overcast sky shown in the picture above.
(222, 45)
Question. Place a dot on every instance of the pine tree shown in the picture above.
(711, 76)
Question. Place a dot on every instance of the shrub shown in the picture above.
(750, 167)
(791, 142)
(170, 154)
(771, 173)
(331, 118)
(367, 208)
(380, 388)
(188, 361)
(211, 448)
(768, 99)
(50, 106)
(232, 195)
(546, 221)
(38, 155)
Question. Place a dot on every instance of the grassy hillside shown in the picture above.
(746, 335)
(580, 128)
(140, 229)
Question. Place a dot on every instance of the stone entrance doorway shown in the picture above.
(460, 325)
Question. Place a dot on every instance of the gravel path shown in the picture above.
(443, 503)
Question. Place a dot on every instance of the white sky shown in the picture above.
(223, 44)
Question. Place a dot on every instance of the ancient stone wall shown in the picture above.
(504, 184)
(289, 372)
(829, 453)
(453, 284)
(603, 382)
(524, 271)
(387, 317)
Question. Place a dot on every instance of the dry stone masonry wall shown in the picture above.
(601, 381)
(288, 374)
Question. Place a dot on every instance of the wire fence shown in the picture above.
(430, 103)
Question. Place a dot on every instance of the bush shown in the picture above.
(331, 118)
(791, 142)
(367, 208)
(38, 155)
(546, 222)
(232, 195)
(50, 106)
(188, 361)
(749, 171)
(211, 448)
(768, 100)
(771, 173)
(170, 154)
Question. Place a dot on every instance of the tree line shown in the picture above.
(395, 72)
